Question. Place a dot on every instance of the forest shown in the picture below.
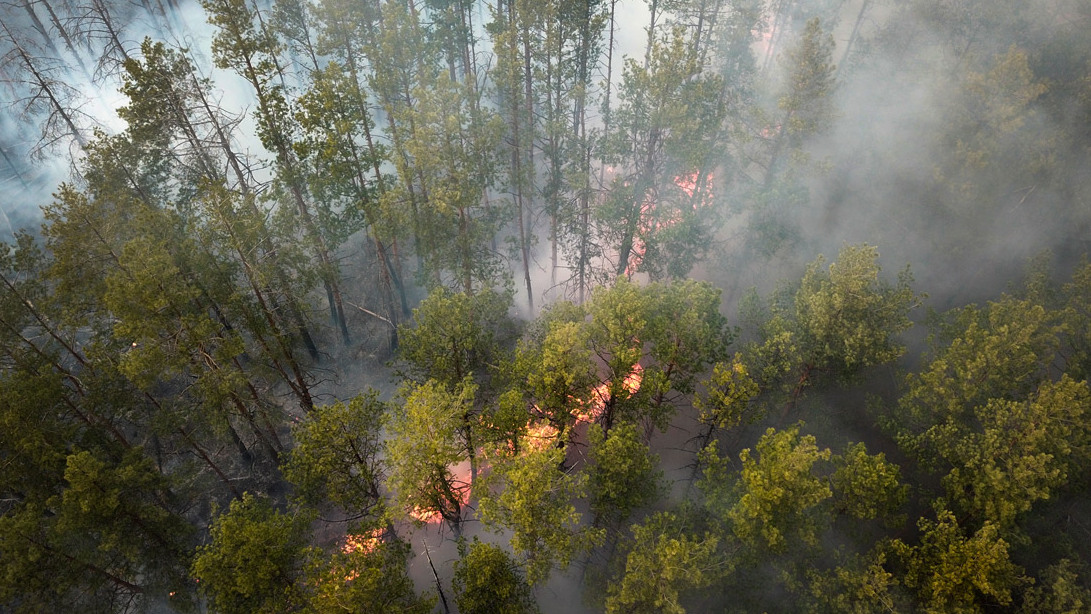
(523, 306)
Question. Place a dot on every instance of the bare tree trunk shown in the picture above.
(855, 34)
(528, 101)
(46, 88)
(14, 169)
(40, 27)
(268, 250)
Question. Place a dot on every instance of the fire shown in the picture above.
(460, 484)
(763, 41)
(688, 183)
(362, 542)
(539, 436)
(696, 190)
(596, 404)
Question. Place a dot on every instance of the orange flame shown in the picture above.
(539, 436)
(364, 543)
(696, 189)
(460, 484)
(361, 542)
(591, 410)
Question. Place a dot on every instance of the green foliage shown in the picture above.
(331, 116)
(488, 581)
(452, 143)
(624, 475)
(535, 503)
(999, 352)
(863, 585)
(158, 88)
(868, 486)
(839, 321)
(779, 492)
(456, 336)
(1076, 315)
(773, 221)
(119, 505)
(716, 483)
(725, 397)
(97, 537)
(667, 126)
(956, 573)
(847, 316)
(632, 354)
(996, 139)
(373, 578)
(255, 559)
(148, 346)
(685, 332)
(336, 455)
(804, 108)
(423, 446)
(1058, 592)
(674, 331)
(985, 414)
(664, 563)
(619, 315)
(1023, 453)
(251, 51)
(37, 430)
(807, 99)
(557, 374)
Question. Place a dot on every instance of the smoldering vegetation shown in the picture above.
(595, 305)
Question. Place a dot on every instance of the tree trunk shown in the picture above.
(855, 33)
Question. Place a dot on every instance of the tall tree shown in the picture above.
(452, 146)
(336, 457)
(253, 53)
(657, 214)
(664, 563)
(427, 439)
(780, 492)
(511, 31)
(348, 178)
(805, 107)
(372, 577)
(842, 319)
(456, 336)
(623, 476)
(40, 92)
(953, 570)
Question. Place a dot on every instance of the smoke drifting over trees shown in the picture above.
(381, 305)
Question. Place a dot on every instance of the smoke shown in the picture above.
(879, 173)
(889, 171)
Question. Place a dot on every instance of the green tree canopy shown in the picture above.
(664, 563)
(423, 447)
(255, 559)
(336, 457)
(487, 580)
(952, 571)
(372, 577)
(779, 492)
(535, 501)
